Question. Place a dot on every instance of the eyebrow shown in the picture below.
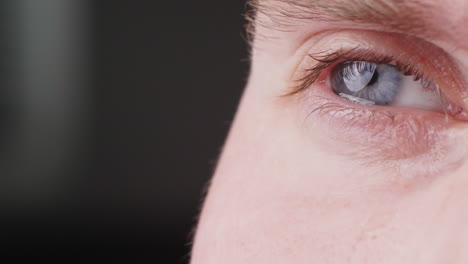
(410, 17)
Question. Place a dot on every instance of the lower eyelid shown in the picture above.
(415, 144)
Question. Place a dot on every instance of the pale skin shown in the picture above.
(300, 182)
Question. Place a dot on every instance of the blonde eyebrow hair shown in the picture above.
(411, 17)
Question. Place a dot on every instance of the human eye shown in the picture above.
(385, 98)
(372, 83)
(381, 81)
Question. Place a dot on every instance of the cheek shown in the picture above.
(249, 219)
(277, 197)
(253, 217)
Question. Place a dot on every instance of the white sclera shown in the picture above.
(413, 94)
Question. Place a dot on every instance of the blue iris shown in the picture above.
(378, 83)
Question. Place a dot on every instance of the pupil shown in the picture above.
(374, 78)
(380, 85)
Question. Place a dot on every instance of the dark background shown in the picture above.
(114, 114)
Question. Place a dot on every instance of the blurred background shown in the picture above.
(113, 115)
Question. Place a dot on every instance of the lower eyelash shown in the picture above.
(349, 116)
(356, 100)
(374, 122)
(373, 138)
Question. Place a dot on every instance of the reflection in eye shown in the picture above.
(382, 84)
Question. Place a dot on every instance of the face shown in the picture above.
(350, 144)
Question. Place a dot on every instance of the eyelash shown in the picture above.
(324, 61)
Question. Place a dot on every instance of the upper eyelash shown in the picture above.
(325, 60)
(358, 67)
